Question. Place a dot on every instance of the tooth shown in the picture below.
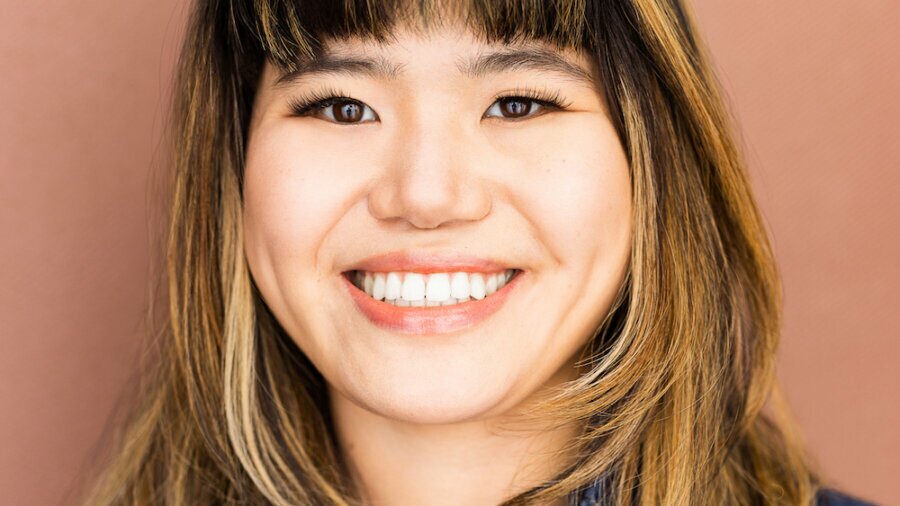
(501, 280)
(449, 302)
(367, 283)
(438, 287)
(401, 303)
(476, 286)
(413, 287)
(392, 286)
(490, 284)
(459, 285)
(378, 286)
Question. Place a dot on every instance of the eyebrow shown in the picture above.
(537, 59)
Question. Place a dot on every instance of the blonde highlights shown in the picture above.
(676, 375)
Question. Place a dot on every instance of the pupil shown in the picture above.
(349, 112)
(516, 107)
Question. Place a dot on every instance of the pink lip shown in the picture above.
(427, 263)
(429, 320)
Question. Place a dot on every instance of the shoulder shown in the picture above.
(832, 497)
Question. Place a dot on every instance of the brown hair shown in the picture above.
(677, 373)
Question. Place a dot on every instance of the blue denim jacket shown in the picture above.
(594, 494)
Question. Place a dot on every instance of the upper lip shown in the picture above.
(428, 262)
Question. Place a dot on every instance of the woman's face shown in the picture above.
(422, 169)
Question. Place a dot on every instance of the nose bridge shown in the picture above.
(429, 150)
(429, 181)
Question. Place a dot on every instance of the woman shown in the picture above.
(459, 253)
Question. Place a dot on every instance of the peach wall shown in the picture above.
(816, 91)
(83, 94)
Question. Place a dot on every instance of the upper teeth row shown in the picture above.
(437, 287)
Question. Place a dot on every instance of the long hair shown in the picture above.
(676, 376)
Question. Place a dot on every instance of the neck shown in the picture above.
(470, 462)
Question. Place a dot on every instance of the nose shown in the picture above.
(430, 180)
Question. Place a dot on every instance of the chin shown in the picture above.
(437, 399)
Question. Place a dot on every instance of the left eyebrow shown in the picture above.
(538, 59)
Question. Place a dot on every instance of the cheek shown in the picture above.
(292, 198)
(292, 194)
(576, 186)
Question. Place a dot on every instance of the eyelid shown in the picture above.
(552, 97)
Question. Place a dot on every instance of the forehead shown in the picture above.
(472, 55)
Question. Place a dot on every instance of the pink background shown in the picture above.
(84, 92)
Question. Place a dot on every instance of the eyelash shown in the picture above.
(305, 104)
(311, 102)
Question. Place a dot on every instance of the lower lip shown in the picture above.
(430, 320)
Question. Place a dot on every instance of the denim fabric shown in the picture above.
(831, 497)
(593, 496)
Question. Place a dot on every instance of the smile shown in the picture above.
(412, 289)
(437, 302)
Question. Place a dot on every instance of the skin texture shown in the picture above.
(418, 415)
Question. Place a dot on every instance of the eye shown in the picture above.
(334, 106)
(339, 108)
(347, 111)
(514, 108)
(524, 104)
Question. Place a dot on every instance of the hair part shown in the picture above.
(675, 376)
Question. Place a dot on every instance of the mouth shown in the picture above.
(412, 289)
(427, 303)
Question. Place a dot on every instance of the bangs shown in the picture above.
(291, 31)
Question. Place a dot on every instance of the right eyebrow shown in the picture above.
(538, 59)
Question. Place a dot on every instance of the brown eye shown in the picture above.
(346, 112)
(518, 107)
(336, 109)
(515, 107)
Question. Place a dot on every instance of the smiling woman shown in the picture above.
(458, 253)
